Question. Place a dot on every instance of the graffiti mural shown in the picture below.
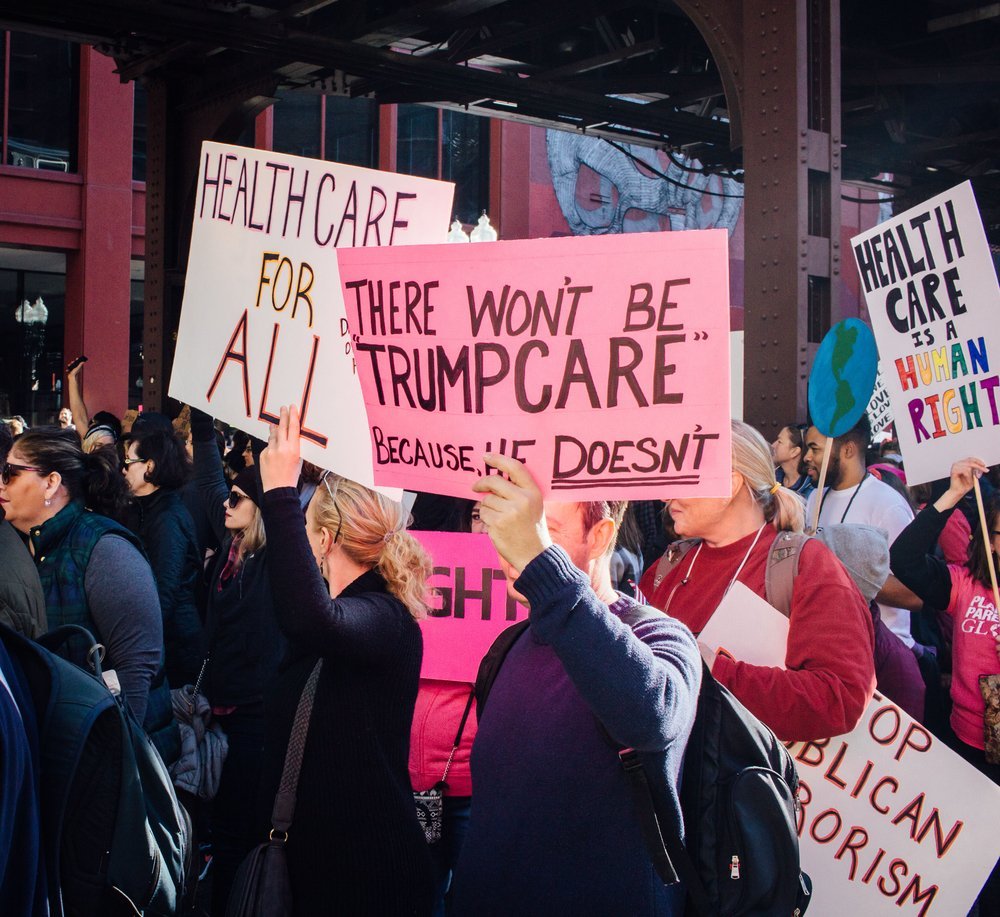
(631, 200)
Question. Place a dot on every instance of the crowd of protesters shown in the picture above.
(244, 576)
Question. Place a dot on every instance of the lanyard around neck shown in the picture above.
(849, 502)
(739, 569)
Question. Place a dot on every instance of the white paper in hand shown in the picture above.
(747, 628)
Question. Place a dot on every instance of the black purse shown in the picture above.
(262, 887)
(430, 803)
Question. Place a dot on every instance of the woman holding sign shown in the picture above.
(967, 594)
(829, 674)
(349, 585)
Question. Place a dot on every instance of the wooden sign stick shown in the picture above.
(821, 484)
(988, 540)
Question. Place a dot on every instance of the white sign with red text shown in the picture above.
(263, 320)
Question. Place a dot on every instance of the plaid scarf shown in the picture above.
(232, 562)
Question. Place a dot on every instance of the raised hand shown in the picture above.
(280, 462)
(511, 507)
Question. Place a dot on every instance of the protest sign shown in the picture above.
(747, 628)
(932, 294)
(469, 607)
(263, 322)
(893, 821)
(879, 408)
(602, 362)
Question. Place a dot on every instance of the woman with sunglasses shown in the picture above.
(244, 646)
(349, 585)
(92, 568)
(156, 468)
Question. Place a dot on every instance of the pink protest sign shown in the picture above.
(469, 607)
(600, 362)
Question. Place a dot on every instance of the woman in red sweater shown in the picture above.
(829, 673)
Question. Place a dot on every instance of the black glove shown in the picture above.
(202, 427)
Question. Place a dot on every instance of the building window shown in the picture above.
(32, 318)
(40, 79)
(326, 127)
(450, 145)
(351, 127)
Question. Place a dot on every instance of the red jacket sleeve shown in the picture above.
(830, 670)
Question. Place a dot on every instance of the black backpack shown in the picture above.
(116, 839)
(738, 796)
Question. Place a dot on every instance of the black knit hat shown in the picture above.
(248, 480)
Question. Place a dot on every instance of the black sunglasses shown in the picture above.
(234, 499)
(10, 470)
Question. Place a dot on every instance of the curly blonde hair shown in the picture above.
(372, 532)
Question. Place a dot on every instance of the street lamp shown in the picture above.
(32, 318)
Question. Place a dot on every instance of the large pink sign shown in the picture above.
(469, 606)
(600, 362)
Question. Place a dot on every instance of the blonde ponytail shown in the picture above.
(752, 460)
(372, 533)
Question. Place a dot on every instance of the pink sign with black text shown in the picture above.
(601, 362)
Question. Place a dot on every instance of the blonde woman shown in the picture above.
(349, 585)
(829, 673)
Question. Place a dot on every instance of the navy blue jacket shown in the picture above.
(553, 828)
(22, 867)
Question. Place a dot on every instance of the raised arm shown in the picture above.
(208, 476)
(360, 627)
(74, 392)
(644, 691)
(910, 556)
(363, 626)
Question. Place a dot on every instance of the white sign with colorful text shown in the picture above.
(932, 295)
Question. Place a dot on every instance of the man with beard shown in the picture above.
(853, 495)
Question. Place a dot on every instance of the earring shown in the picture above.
(48, 502)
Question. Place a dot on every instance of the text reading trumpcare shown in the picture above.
(535, 357)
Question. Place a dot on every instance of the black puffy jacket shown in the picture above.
(167, 532)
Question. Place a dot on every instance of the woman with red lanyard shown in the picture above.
(829, 673)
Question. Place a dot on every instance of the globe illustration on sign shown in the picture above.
(842, 377)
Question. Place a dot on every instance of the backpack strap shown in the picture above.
(284, 801)
(672, 557)
(489, 668)
(663, 841)
(782, 568)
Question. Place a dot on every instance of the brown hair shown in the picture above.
(978, 562)
(594, 511)
(373, 533)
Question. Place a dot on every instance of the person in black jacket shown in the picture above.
(244, 647)
(156, 468)
(355, 845)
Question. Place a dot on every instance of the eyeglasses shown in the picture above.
(132, 461)
(233, 500)
(10, 470)
(333, 498)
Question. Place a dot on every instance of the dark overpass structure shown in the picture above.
(791, 97)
